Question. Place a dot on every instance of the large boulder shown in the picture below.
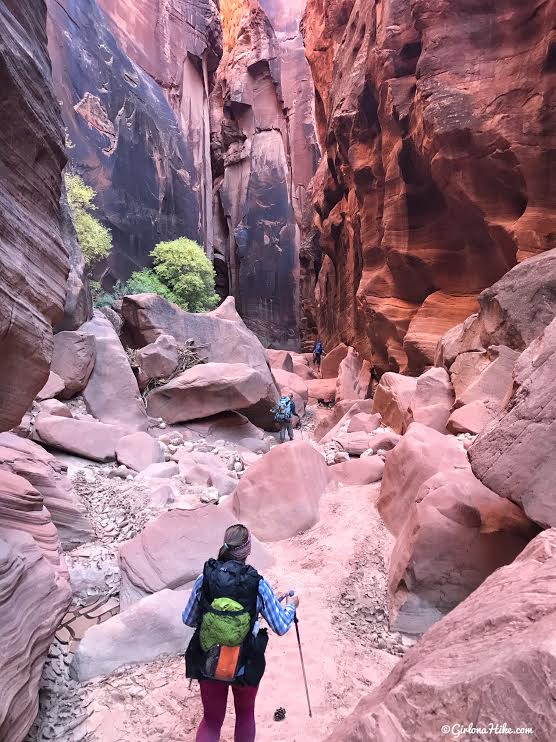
(138, 451)
(275, 507)
(280, 360)
(322, 390)
(392, 399)
(112, 394)
(359, 471)
(355, 443)
(73, 359)
(228, 426)
(491, 382)
(338, 418)
(471, 418)
(222, 333)
(514, 455)
(43, 471)
(330, 364)
(456, 534)
(170, 551)
(33, 601)
(53, 388)
(490, 661)
(364, 422)
(433, 399)
(148, 629)
(354, 377)
(516, 309)
(87, 438)
(159, 359)
(421, 453)
(210, 388)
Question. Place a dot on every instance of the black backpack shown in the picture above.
(243, 665)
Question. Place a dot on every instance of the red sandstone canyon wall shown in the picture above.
(264, 155)
(134, 81)
(438, 130)
(34, 261)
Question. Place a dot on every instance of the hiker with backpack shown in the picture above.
(228, 645)
(318, 351)
(283, 413)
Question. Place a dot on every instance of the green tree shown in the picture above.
(95, 239)
(147, 282)
(182, 266)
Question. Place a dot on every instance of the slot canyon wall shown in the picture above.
(437, 124)
(34, 262)
(265, 153)
(133, 79)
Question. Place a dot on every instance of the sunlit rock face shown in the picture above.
(437, 125)
(134, 80)
(264, 155)
(34, 261)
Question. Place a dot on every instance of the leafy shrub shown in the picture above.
(182, 266)
(147, 282)
(95, 239)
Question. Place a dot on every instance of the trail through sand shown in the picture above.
(339, 570)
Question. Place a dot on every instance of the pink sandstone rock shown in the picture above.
(171, 550)
(73, 359)
(273, 511)
(280, 359)
(392, 399)
(491, 657)
(354, 377)
(322, 389)
(112, 394)
(138, 451)
(33, 601)
(53, 387)
(457, 533)
(514, 455)
(359, 471)
(54, 407)
(471, 418)
(209, 389)
(290, 382)
(355, 443)
(44, 472)
(493, 384)
(87, 438)
(338, 419)
(159, 359)
(363, 422)
(433, 399)
(421, 453)
(330, 364)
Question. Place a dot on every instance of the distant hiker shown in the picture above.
(228, 645)
(283, 413)
(318, 350)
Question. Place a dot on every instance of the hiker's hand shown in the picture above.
(292, 600)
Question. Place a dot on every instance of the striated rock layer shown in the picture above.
(33, 259)
(264, 154)
(134, 80)
(437, 125)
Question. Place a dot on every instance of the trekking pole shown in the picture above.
(290, 594)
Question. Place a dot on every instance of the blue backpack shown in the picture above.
(283, 411)
(318, 348)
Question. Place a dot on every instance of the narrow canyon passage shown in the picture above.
(289, 264)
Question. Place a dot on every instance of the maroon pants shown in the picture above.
(214, 696)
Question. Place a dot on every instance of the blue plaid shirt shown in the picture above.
(278, 617)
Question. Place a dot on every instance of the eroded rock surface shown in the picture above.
(433, 181)
(33, 256)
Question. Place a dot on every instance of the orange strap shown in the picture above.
(227, 663)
